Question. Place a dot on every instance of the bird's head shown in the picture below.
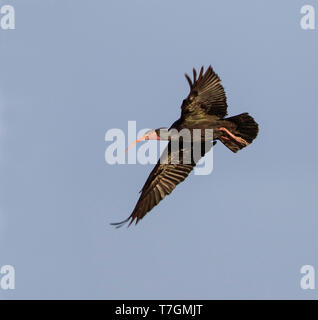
(153, 134)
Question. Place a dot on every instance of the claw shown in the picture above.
(234, 137)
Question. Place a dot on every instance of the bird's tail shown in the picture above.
(238, 132)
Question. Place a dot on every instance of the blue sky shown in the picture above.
(72, 71)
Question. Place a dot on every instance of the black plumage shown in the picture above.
(204, 108)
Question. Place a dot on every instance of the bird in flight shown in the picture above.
(204, 108)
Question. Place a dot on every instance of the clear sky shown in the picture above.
(71, 70)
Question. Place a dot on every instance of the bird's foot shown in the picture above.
(237, 139)
(224, 139)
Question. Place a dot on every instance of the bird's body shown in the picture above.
(204, 108)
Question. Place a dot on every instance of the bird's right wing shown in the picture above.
(165, 176)
(207, 95)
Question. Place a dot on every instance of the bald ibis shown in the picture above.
(204, 108)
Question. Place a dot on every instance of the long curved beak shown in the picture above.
(147, 136)
(138, 140)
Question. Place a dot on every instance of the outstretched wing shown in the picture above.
(165, 176)
(206, 95)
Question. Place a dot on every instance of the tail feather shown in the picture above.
(244, 130)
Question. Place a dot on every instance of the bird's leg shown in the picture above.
(224, 139)
(234, 137)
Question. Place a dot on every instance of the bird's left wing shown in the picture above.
(165, 176)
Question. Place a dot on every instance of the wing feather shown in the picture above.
(162, 181)
(207, 95)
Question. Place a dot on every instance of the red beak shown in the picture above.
(151, 136)
(138, 140)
